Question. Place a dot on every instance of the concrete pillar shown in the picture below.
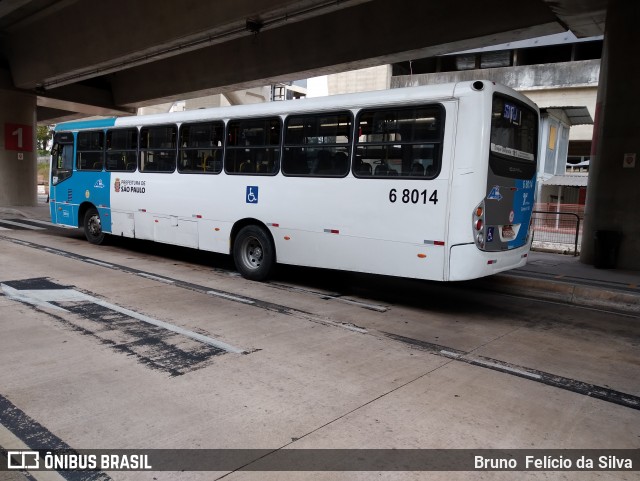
(18, 153)
(613, 192)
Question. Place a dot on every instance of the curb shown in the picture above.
(579, 295)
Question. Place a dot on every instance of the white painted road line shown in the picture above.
(41, 222)
(44, 297)
(230, 297)
(170, 327)
(155, 278)
(19, 224)
(103, 264)
(8, 439)
(502, 367)
(365, 305)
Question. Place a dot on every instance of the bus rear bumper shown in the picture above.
(468, 262)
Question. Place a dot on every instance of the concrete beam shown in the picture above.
(48, 116)
(585, 18)
(5, 79)
(100, 37)
(364, 35)
(573, 75)
(82, 99)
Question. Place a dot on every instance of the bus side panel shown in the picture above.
(122, 223)
(469, 176)
(467, 262)
(357, 254)
(81, 187)
(176, 231)
(384, 226)
(214, 235)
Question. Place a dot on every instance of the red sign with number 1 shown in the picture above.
(18, 137)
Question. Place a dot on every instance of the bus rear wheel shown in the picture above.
(254, 253)
(93, 226)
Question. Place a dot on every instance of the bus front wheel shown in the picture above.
(254, 253)
(93, 226)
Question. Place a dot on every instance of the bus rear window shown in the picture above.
(514, 130)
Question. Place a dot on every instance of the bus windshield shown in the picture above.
(514, 135)
(61, 158)
(513, 129)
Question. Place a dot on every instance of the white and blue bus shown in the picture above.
(431, 182)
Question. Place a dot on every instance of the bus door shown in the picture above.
(511, 178)
(60, 202)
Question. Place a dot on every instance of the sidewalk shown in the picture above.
(563, 278)
(549, 276)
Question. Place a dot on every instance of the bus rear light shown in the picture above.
(530, 230)
(492, 261)
(478, 225)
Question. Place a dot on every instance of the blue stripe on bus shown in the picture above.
(86, 124)
(522, 209)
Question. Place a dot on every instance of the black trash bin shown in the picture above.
(606, 244)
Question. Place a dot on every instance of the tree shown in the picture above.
(44, 135)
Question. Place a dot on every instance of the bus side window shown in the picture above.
(200, 149)
(158, 148)
(122, 150)
(253, 146)
(317, 145)
(90, 150)
(400, 142)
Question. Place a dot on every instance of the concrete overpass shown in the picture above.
(69, 58)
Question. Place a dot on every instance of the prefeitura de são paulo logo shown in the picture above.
(116, 185)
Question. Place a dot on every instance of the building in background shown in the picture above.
(274, 92)
(558, 72)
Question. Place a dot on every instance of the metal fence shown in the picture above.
(557, 230)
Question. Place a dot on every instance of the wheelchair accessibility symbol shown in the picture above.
(252, 194)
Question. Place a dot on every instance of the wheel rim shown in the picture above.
(94, 225)
(252, 253)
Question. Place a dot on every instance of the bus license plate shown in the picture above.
(508, 232)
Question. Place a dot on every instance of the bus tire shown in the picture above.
(93, 226)
(254, 253)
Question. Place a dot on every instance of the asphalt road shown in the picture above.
(134, 345)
